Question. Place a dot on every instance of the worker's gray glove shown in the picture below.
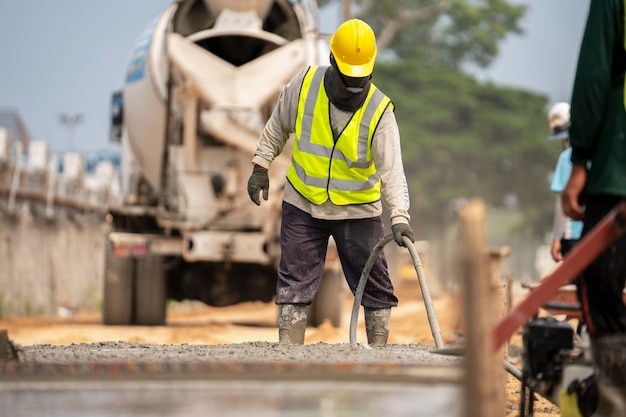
(402, 229)
(259, 180)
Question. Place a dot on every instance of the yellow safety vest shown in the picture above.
(322, 168)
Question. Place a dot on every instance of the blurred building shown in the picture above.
(93, 158)
(11, 120)
(86, 176)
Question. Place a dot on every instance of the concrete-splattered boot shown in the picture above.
(291, 323)
(609, 360)
(377, 325)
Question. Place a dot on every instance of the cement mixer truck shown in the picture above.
(202, 81)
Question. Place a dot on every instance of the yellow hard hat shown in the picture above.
(354, 47)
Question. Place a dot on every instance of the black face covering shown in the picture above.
(346, 93)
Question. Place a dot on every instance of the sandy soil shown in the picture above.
(197, 324)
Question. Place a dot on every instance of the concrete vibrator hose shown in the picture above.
(421, 276)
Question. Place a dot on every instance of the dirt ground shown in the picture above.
(195, 323)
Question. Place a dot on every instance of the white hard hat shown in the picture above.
(559, 119)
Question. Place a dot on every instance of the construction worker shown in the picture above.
(346, 157)
(565, 231)
(598, 135)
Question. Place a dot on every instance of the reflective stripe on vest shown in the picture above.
(322, 168)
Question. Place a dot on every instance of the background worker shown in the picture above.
(598, 136)
(346, 157)
(565, 231)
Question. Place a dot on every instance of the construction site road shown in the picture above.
(257, 378)
(227, 361)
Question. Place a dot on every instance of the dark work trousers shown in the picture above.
(601, 285)
(304, 241)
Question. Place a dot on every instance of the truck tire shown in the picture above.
(117, 301)
(328, 301)
(150, 292)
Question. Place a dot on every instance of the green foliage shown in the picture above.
(447, 33)
(475, 28)
(32, 310)
(463, 139)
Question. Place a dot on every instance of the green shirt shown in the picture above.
(598, 126)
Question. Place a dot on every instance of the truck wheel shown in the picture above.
(328, 301)
(150, 293)
(117, 302)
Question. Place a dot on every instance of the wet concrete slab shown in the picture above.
(249, 379)
(231, 398)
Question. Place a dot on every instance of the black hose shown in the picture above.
(421, 276)
(358, 295)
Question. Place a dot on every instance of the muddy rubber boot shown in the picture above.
(377, 325)
(291, 323)
(609, 362)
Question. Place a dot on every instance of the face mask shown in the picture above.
(346, 93)
(354, 89)
(352, 84)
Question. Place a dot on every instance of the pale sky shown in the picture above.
(544, 58)
(68, 56)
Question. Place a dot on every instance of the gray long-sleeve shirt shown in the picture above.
(386, 154)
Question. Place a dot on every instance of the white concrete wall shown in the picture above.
(48, 266)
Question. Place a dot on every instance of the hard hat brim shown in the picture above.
(356, 71)
(560, 135)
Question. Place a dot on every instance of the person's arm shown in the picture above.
(387, 156)
(280, 125)
(572, 195)
(558, 229)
